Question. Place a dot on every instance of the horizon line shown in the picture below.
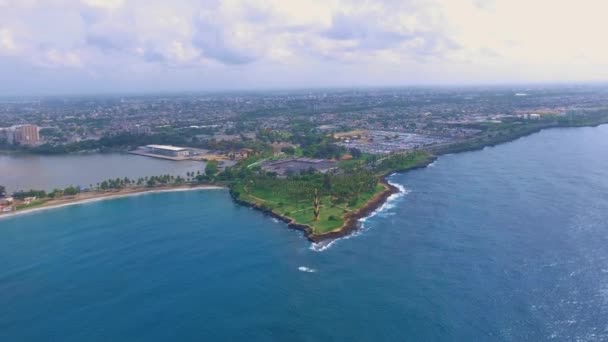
(298, 89)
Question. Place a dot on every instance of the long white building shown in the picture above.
(168, 150)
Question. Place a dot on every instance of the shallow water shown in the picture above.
(504, 244)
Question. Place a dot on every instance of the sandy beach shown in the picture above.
(95, 196)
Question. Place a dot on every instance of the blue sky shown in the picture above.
(71, 46)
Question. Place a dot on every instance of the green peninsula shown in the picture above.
(324, 205)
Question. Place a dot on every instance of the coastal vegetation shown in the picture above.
(26, 199)
(497, 133)
(319, 201)
(323, 202)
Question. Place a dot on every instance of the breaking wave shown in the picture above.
(389, 204)
(306, 269)
(325, 245)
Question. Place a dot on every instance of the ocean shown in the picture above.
(508, 243)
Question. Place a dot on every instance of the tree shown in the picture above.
(355, 152)
(211, 168)
(317, 206)
(288, 150)
(71, 191)
(2, 190)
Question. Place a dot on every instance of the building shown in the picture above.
(4, 134)
(532, 116)
(138, 129)
(295, 166)
(22, 134)
(27, 134)
(6, 204)
(167, 150)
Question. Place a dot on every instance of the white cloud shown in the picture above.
(59, 59)
(105, 4)
(7, 42)
(404, 41)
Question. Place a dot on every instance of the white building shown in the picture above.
(168, 150)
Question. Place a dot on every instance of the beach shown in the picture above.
(95, 196)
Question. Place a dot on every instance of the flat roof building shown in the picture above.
(294, 166)
(168, 150)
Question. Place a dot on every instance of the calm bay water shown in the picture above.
(23, 172)
(504, 244)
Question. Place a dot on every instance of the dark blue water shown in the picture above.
(505, 244)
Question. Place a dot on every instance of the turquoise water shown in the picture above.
(505, 244)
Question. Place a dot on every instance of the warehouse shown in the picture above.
(167, 150)
(298, 165)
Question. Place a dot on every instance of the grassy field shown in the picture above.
(32, 204)
(301, 211)
(403, 162)
(339, 194)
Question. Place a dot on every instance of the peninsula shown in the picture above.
(316, 161)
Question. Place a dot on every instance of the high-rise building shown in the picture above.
(22, 134)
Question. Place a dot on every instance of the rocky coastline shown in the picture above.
(351, 220)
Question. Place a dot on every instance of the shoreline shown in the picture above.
(351, 223)
(351, 220)
(92, 197)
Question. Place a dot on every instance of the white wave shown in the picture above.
(275, 220)
(431, 164)
(390, 201)
(321, 246)
(389, 204)
(306, 269)
(325, 245)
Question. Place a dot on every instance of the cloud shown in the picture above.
(111, 38)
(228, 46)
(365, 31)
(288, 41)
(54, 58)
(105, 4)
(7, 42)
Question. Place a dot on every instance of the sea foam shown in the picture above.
(389, 204)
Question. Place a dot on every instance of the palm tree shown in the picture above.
(316, 205)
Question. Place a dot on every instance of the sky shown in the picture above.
(110, 46)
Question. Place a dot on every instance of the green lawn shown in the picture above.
(331, 216)
(340, 194)
(34, 203)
